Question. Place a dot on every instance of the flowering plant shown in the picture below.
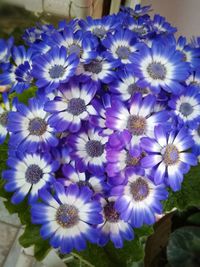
(99, 129)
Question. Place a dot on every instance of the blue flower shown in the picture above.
(138, 11)
(29, 127)
(138, 118)
(68, 217)
(80, 43)
(120, 155)
(18, 75)
(88, 151)
(5, 108)
(139, 200)
(126, 85)
(28, 173)
(120, 46)
(96, 183)
(113, 228)
(160, 25)
(194, 79)
(195, 133)
(190, 54)
(5, 52)
(160, 66)
(36, 34)
(54, 68)
(168, 154)
(99, 119)
(100, 27)
(186, 107)
(71, 106)
(138, 26)
(98, 70)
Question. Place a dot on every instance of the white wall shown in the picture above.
(183, 14)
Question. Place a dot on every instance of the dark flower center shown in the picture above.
(110, 213)
(94, 67)
(140, 30)
(198, 130)
(100, 32)
(85, 183)
(136, 125)
(4, 119)
(67, 215)
(133, 88)
(76, 106)
(94, 148)
(123, 52)
(33, 174)
(186, 109)
(57, 71)
(37, 126)
(157, 71)
(139, 189)
(134, 161)
(74, 48)
(170, 155)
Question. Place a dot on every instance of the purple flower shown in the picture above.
(168, 154)
(139, 200)
(68, 217)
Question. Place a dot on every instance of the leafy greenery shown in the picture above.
(30, 237)
(184, 247)
(109, 256)
(189, 195)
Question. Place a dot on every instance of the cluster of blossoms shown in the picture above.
(114, 123)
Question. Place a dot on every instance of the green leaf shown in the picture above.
(26, 95)
(183, 249)
(189, 195)
(30, 237)
(194, 218)
(132, 251)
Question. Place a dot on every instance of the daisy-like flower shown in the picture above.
(54, 68)
(113, 227)
(96, 183)
(160, 66)
(28, 173)
(139, 200)
(99, 119)
(121, 45)
(186, 107)
(29, 127)
(190, 54)
(88, 151)
(18, 75)
(139, 118)
(160, 25)
(195, 133)
(100, 27)
(121, 157)
(68, 218)
(138, 11)
(138, 26)
(126, 85)
(36, 34)
(194, 79)
(168, 154)
(71, 106)
(5, 108)
(80, 43)
(98, 70)
(5, 52)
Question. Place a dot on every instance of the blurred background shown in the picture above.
(15, 15)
